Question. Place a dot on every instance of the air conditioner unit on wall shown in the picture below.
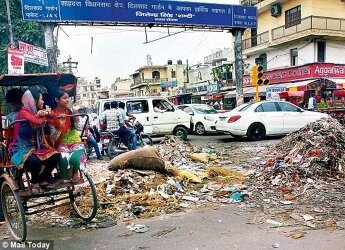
(276, 10)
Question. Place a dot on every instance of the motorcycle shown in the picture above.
(113, 147)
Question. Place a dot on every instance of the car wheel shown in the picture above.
(181, 132)
(200, 128)
(256, 132)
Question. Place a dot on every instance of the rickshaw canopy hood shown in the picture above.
(50, 81)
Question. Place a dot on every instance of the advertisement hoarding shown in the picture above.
(15, 62)
(34, 54)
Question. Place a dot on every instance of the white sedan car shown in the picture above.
(259, 119)
(202, 116)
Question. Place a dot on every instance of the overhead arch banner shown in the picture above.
(170, 13)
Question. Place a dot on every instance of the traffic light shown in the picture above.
(257, 76)
(260, 76)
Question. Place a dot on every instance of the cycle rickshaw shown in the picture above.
(16, 194)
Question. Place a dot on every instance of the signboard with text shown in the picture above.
(172, 13)
(272, 93)
(308, 71)
(213, 88)
(34, 54)
(15, 62)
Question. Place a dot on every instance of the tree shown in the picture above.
(29, 32)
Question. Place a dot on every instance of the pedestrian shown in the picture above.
(311, 103)
(89, 133)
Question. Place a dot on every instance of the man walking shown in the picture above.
(311, 103)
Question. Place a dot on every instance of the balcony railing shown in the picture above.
(311, 23)
(255, 40)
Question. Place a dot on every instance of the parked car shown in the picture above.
(256, 120)
(170, 121)
(203, 117)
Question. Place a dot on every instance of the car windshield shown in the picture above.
(205, 110)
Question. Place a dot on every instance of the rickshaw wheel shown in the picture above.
(83, 198)
(13, 212)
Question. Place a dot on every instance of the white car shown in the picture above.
(203, 117)
(259, 119)
(170, 121)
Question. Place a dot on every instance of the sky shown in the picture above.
(120, 51)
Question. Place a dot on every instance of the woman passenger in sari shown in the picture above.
(29, 149)
(66, 138)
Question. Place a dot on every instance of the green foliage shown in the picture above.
(29, 32)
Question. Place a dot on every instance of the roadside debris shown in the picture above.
(159, 180)
(297, 181)
(303, 173)
(138, 228)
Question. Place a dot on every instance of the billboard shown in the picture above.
(171, 13)
(15, 61)
(34, 54)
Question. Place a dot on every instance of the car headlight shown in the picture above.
(208, 118)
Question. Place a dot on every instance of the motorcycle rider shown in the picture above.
(115, 122)
(129, 126)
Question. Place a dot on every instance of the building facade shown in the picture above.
(297, 42)
(87, 92)
(164, 80)
(210, 81)
(120, 88)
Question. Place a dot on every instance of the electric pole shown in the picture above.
(9, 22)
(51, 46)
(237, 33)
(70, 65)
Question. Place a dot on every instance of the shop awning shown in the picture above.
(287, 94)
(298, 86)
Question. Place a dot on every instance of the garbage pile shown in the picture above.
(302, 179)
(191, 177)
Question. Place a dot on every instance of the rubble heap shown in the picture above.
(301, 180)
